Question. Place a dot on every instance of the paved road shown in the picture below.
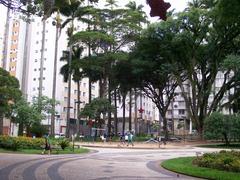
(103, 164)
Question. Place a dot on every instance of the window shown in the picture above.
(36, 51)
(35, 69)
(181, 103)
(34, 79)
(65, 99)
(75, 91)
(35, 60)
(37, 42)
(84, 84)
(181, 111)
(66, 89)
(93, 87)
(64, 109)
(169, 112)
(84, 94)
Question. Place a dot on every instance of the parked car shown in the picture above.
(59, 135)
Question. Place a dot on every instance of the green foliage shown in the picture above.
(9, 92)
(44, 105)
(97, 107)
(63, 142)
(219, 126)
(184, 165)
(224, 160)
(15, 143)
(25, 114)
(38, 130)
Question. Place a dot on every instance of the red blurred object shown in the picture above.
(158, 8)
(90, 123)
(141, 110)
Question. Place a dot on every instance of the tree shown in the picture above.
(209, 32)
(72, 10)
(25, 115)
(97, 108)
(77, 75)
(154, 66)
(9, 95)
(218, 126)
(112, 30)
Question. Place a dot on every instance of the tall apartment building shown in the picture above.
(23, 62)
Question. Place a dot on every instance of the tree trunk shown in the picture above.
(1, 124)
(130, 109)
(53, 115)
(135, 113)
(78, 107)
(165, 129)
(20, 129)
(124, 118)
(115, 113)
(226, 139)
(109, 112)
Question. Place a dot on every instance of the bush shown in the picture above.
(14, 143)
(224, 160)
(63, 143)
(38, 130)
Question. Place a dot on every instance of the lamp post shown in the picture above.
(184, 127)
(78, 112)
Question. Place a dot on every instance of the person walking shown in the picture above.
(47, 145)
(130, 138)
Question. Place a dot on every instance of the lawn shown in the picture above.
(39, 151)
(184, 166)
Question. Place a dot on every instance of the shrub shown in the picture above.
(15, 143)
(63, 143)
(9, 143)
(224, 160)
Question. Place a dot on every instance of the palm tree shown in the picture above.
(76, 73)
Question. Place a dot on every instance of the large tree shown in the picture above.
(153, 64)
(209, 31)
(9, 95)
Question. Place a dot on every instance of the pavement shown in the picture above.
(143, 145)
(106, 161)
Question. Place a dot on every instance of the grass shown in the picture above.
(39, 151)
(184, 166)
(224, 146)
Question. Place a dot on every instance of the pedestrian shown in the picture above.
(130, 138)
(47, 145)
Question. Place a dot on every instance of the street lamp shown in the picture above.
(78, 111)
(184, 126)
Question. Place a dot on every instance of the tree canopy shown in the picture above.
(9, 95)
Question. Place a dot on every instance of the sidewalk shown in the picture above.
(140, 145)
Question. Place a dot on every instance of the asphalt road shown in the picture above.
(102, 164)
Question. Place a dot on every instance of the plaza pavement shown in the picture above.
(107, 161)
